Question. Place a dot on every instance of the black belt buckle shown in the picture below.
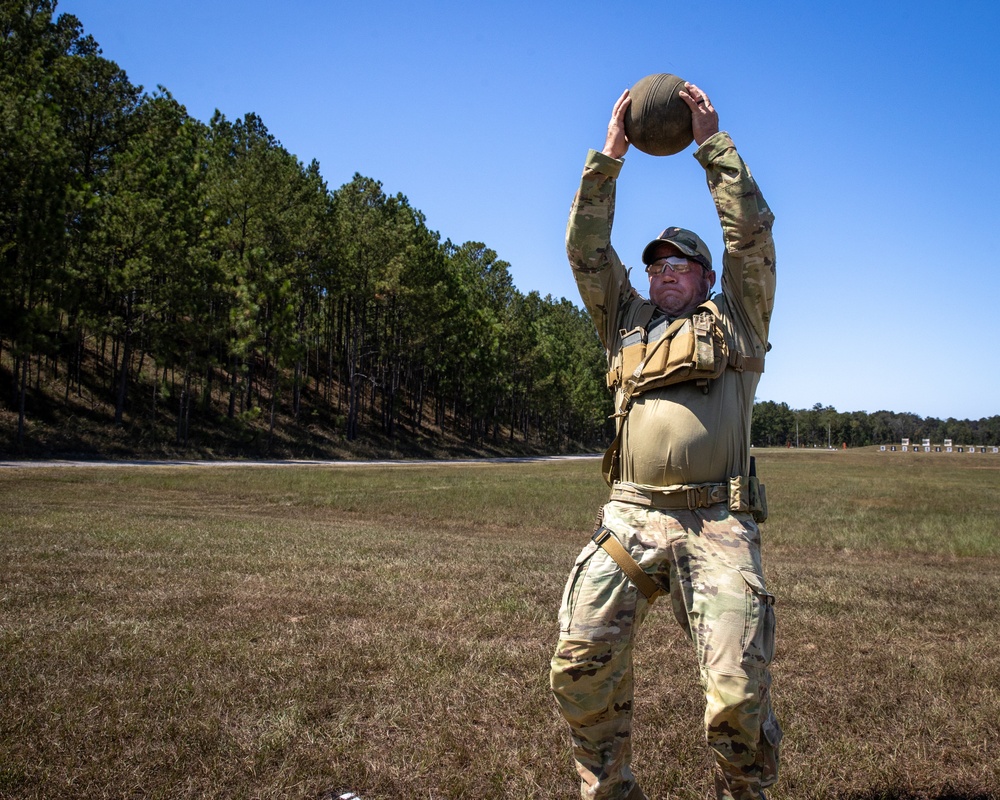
(601, 535)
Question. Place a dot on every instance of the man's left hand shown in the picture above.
(704, 117)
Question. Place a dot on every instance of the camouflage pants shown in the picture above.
(708, 560)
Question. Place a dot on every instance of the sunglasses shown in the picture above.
(679, 265)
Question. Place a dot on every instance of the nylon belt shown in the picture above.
(701, 495)
(607, 540)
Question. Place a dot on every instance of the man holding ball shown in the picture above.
(682, 520)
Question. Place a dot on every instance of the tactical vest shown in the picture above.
(656, 353)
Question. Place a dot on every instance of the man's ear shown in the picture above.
(710, 281)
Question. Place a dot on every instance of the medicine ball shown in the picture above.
(658, 121)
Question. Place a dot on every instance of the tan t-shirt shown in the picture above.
(679, 434)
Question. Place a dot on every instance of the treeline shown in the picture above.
(777, 425)
(197, 269)
(158, 269)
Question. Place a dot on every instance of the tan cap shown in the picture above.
(688, 242)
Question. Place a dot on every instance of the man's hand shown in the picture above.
(616, 143)
(704, 117)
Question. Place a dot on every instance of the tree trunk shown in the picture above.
(123, 376)
(22, 397)
(233, 369)
(184, 409)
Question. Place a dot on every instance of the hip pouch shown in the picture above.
(746, 494)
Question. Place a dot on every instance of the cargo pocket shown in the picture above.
(572, 591)
(758, 632)
(769, 751)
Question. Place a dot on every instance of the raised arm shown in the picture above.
(748, 275)
(600, 275)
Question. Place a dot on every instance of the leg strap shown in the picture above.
(609, 542)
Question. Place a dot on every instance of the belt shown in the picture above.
(690, 496)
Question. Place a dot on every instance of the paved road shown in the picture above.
(284, 463)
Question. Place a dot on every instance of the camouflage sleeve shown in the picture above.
(748, 275)
(600, 275)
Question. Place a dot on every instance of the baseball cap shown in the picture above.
(688, 242)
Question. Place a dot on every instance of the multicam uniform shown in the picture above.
(707, 558)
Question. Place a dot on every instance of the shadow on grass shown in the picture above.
(905, 794)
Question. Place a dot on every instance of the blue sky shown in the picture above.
(869, 127)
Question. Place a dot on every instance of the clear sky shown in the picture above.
(868, 125)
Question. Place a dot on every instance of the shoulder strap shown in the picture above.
(641, 317)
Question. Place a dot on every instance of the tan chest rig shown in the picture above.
(657, 353)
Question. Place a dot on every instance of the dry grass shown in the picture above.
(284, 632)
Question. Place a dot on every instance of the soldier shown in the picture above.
(682, 517)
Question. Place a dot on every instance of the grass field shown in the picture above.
(297, 632)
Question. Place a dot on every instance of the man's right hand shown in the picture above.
(616, 143)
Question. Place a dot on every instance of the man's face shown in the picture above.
(677, 293)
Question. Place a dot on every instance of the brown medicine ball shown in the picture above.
(658, 121)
